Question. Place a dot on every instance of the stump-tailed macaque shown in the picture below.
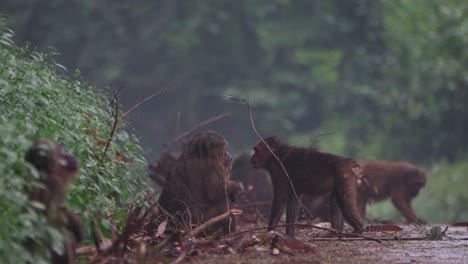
(400, 181)
(311, 172)
(199, 188)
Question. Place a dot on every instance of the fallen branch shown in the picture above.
(253, 204)
(359, 238)
(334, 231)
(213, 221)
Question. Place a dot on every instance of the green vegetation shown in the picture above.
(37, 100)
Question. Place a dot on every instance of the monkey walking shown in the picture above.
(310, 172)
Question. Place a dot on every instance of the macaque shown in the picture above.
(254, 185)
(311, 172)
(199, 187)
(160, 170)
(316, 208)
(57, 170)
(401, 181)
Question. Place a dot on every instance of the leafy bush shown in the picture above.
(37, 100)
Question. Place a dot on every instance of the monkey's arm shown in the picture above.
(75, 225)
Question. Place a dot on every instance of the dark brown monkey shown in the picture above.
(254, 185)
(160, 169)
(311, 172)
(199, 187)
(316, 208)
(401, 181)
(57, 170)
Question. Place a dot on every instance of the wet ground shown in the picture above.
(410, 245)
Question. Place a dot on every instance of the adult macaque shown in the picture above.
(254, 185)
(311, 172)
(199, 187)
(57, 170)
(401, 181)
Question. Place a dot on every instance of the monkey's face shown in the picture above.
(48, 156)
(261, 156)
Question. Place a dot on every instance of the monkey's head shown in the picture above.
(209, 145)
(263, 152)
(162, 166)
(416, 181)
(49, 157)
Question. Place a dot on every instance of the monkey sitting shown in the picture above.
(57, 170)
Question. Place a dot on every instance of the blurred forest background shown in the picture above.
(369, 79)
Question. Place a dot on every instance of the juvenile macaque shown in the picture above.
(57, 170)
(254, 185)
(311, 172)
(199, 187)
(400, 181)
(160, 169)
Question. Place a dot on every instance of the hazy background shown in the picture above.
(381, 79)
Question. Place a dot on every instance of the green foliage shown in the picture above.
(444, 198)
(37, 100)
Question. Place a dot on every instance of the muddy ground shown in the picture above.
(410, 245)
(399, 243)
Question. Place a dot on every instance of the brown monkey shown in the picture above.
(383, 179)
(199, 187)
(254, 184)
(316, 208)
(57, 170)
(160, 169)
(311, 172)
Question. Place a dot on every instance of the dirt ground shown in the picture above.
(410, 245)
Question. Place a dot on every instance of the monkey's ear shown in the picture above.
(274, 143)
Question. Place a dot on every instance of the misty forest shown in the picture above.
(128, 131)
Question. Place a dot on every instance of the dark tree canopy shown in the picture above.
(388, 73)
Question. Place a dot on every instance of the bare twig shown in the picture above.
(315, 138)
(141, 102)
(360, 238)
(253, 204)
(213, 221)
(334, 231)
(118, 119)
(196, 126)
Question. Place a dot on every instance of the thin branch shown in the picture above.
(118, 119)
(186, 133)
(334, 231)
(141, 102)
(314, 139)
(253, 204)
(213, 221)
(359, 238)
